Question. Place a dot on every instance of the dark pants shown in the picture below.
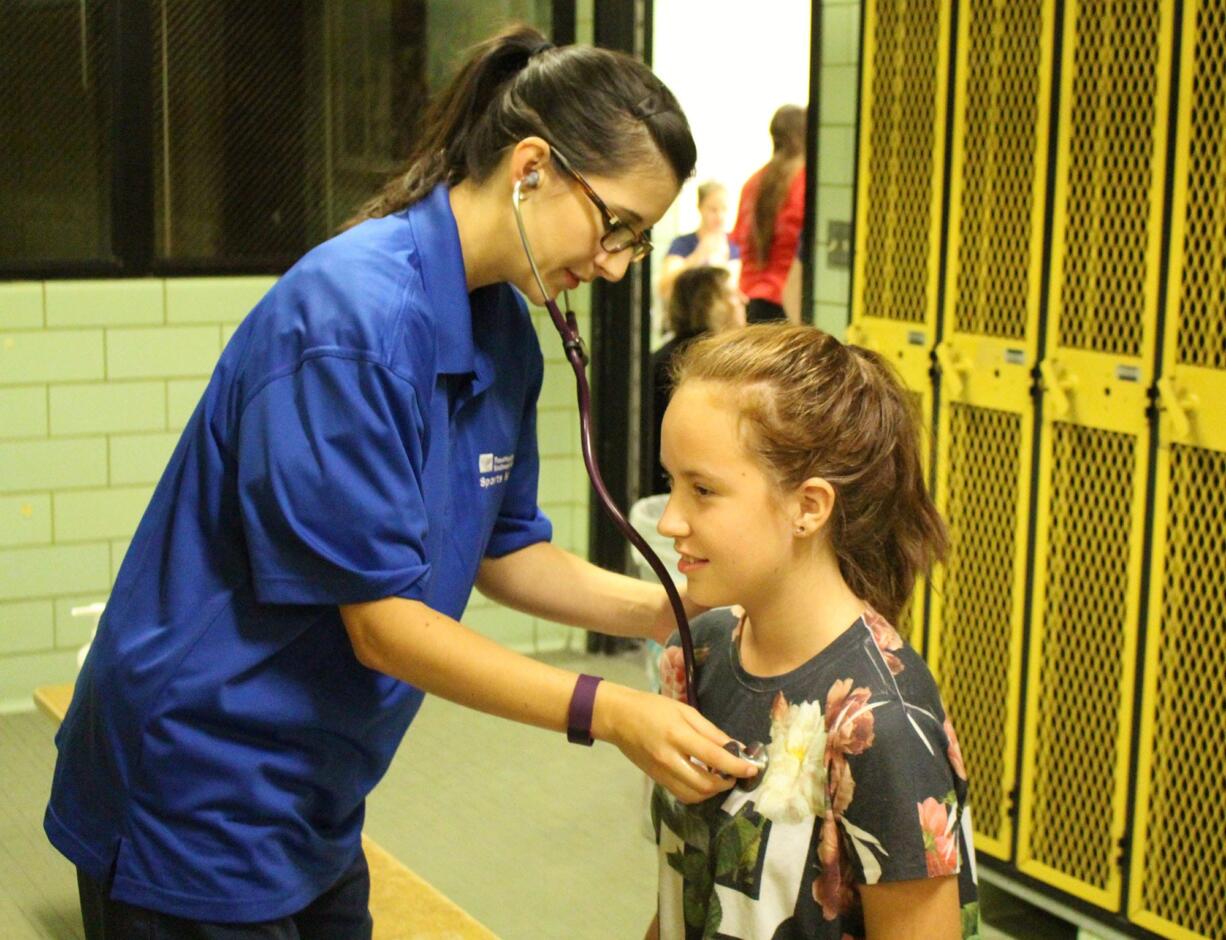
(763, 311)
(340, 913)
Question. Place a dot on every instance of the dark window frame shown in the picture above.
(132, 225)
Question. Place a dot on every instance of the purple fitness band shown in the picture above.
(579, 717)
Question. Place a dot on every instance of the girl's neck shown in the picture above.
(798, 617)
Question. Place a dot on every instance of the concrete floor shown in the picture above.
(534, 837)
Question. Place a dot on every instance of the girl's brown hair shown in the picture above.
(815, 407)
(695, 294)
(788, 138)
(606, 111)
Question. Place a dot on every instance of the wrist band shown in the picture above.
(579, 716)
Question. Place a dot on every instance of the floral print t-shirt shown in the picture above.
(865, 785)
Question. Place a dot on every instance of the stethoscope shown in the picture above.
(576, 354)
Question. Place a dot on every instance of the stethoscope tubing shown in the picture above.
(576, 354)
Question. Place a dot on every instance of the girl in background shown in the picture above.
(710, 245)
(798, 494)
(704, 300)
(770, 216)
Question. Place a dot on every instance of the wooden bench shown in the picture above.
(403, 905)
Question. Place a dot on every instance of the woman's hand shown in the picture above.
(660, 736)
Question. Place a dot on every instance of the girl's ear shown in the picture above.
(815, 502)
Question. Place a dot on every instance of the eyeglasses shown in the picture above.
(618, 235)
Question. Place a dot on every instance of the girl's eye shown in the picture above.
(701, 490)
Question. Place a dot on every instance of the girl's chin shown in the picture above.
(708, 595)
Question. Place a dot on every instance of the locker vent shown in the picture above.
(1002, 110)
(1084, 619)
(976, 604)
(901, 170)
(1186, 826)
(1202, 325)
(1110, 185)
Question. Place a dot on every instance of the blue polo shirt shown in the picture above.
(368, 432)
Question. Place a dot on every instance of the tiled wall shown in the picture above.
(836, 152)
(97, 379)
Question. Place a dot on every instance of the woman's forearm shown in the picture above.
(547, 582)
(416, 644)
(412, 642)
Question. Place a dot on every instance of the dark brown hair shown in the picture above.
(815, 407)
(788, 138)
(695, 293)
(606, 111)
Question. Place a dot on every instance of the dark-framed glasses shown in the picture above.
(618, 235)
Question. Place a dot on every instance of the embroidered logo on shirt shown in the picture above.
(494, 469)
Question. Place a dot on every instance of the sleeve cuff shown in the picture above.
(344, 588)
(517, 534)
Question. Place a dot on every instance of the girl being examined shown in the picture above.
(798, 494)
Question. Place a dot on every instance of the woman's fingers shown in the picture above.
(708, 747)
(723, 762)
(691, 783)
(700, 766)
(673, 744)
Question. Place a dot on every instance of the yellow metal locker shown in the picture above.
(989, 345)
(1178, 863)
(898, 201)
(1094, 444)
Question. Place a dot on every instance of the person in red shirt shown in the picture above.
(770, 216)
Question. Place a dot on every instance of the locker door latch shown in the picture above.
(1058, 383)
(1178, 404)
(953, 368)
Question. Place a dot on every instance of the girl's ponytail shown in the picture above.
(912, 538)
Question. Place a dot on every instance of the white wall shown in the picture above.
(730, 64)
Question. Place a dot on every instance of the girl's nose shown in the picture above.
(671, 525)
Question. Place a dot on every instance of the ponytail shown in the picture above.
(788, 137)
(439, 154)
(913, 537)
(606, 110)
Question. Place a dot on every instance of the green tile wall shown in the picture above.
(97, 378)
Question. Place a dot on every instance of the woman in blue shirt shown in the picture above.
(364, 454)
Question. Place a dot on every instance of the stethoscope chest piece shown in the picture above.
(755, 753)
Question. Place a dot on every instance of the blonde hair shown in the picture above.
(815, 407)
(708, 188)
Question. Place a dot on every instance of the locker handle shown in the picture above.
(1178, 405)
(1058, 386)
(952, 368)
